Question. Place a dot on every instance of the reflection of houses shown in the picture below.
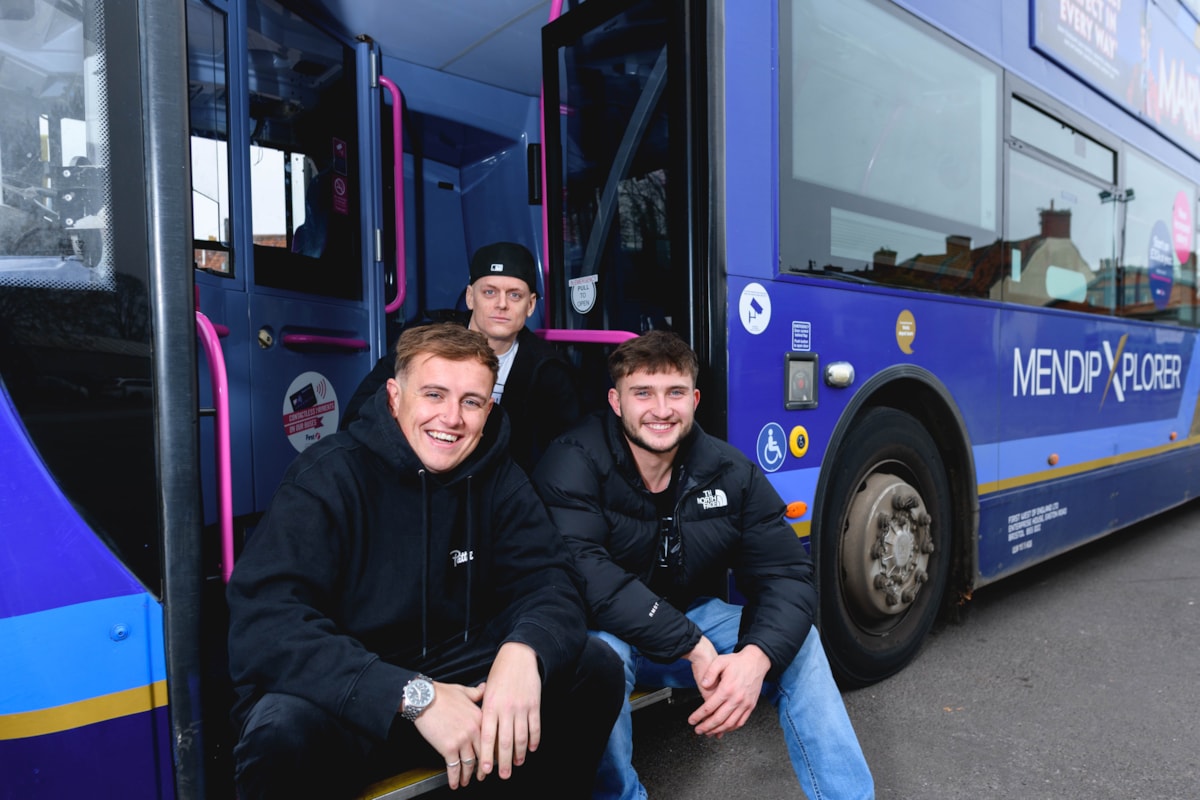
(1046, 269)
(1043, 270)
(1051, 269)
(1137, 298)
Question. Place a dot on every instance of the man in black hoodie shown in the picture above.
(405, 599)
(535, 385)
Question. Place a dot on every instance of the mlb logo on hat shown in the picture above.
(506, 259)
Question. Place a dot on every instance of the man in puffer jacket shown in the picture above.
(655, 512)
(405, 600)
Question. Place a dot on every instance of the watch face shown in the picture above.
(418, 693)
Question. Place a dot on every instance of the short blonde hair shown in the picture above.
(447, 340)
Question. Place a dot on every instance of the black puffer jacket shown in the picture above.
(728, 516)
(367, 568)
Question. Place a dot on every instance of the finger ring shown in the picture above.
(451, 764)
(468, 761)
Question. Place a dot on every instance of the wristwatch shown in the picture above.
(418, 694)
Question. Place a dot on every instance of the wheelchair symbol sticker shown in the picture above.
(771, 444)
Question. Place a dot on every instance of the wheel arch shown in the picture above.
(919, 393)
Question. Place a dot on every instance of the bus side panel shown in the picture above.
(118, 759)
(82, 702)
(1023, 527)
(866, 327)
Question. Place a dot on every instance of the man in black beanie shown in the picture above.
(535, 387)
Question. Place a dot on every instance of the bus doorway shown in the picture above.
(278, 234)
(625, 152)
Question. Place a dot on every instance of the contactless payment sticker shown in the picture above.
(310, 410)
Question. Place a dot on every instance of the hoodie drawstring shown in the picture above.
(470, 557)
(425, 533)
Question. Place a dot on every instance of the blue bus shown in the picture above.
(938, 260)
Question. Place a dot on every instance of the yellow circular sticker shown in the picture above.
(906, 331)
(798, 441)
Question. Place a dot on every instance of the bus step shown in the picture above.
(648, 697)
(421, 780)
(410, 783)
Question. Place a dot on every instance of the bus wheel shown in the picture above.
(884, 548)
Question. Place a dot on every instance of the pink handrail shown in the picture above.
(397, 191)
(585, 337)
(303, 340)
(220, 389)
(555, 13)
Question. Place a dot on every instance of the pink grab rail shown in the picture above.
(585, 337)
(220, 389)
(397, 190)
(300, 341)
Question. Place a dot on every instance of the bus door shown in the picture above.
(626, 244)
(279, 250)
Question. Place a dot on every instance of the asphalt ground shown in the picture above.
(1077, 679)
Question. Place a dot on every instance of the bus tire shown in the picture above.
(884, 548)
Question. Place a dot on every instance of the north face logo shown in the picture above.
(712, 498)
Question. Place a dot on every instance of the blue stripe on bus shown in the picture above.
(64, 655)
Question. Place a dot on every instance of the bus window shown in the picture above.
(1060, 241)
(303, 171)
(1158, 278)
(1062, 141)
(888, 150)
(624, 184)
(74, 307)
(208, 109)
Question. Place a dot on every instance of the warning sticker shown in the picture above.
(583, 293)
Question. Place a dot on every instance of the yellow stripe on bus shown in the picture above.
(44, 721)
(1084, 466)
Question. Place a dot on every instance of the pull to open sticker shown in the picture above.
(583, 293)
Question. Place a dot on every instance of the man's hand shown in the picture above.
(730, 685)
(451, 725)
(512, 702)
(701, 656)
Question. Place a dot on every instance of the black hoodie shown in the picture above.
(367, 568)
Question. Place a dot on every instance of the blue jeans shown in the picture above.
(820, 739)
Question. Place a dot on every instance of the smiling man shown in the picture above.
(656, 512)
(533, 383)
(406, 600)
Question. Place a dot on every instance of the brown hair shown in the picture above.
(447, 340)
(653, 352)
